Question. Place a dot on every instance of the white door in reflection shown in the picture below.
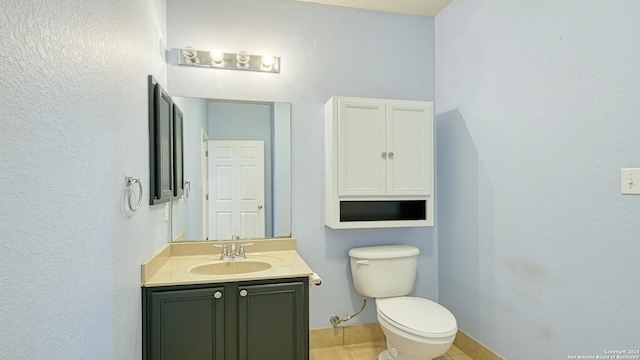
(236, 189)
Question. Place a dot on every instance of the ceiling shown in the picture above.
(412, 7)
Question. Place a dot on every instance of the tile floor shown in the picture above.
(370, 351)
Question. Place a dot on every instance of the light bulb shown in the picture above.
(243, 59)
(191, 55)
(267, 61)
(217, 58)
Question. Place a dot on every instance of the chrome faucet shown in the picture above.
(231, 254)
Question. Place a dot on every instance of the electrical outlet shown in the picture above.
(630, 181)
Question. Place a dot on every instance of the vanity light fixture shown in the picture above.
(216, 59)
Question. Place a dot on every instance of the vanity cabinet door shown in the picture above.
(273, 321)
(185, 324)
(251, 320)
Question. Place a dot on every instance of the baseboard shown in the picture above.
(473, 348)
(345, 335)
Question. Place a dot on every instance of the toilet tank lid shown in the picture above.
(384, 251)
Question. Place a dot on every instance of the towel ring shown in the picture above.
(187, 188)
(131, 182)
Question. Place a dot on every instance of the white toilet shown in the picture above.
(415, 328)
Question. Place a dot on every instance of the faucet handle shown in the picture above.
(225, 252)
(242, 246)
(224, 247)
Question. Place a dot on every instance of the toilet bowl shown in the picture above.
(415, 328)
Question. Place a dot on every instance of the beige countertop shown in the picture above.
(176, 263)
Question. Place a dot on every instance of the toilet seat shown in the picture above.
(418, 316)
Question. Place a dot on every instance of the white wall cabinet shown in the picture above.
(378, 163)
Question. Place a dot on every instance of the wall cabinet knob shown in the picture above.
(384, 155)
(217, 294)
(391, 155)
(243, 292)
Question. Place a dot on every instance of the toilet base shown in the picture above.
(413, 347)
(387, 355)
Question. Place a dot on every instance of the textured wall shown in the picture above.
(74, 124)
(538, 111)
(325, 51)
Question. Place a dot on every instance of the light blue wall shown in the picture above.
(74, 125)
(325, 51)
(537, 112)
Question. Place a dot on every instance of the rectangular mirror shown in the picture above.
(160, 124)
(237, 170)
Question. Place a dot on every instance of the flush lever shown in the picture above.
(362, 262)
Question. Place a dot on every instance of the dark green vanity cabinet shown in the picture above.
(252, 320)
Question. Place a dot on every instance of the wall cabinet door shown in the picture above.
(361, 144)
(408, 130)
(270, 321)
(186, 324)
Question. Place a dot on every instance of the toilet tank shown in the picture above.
(384, 271)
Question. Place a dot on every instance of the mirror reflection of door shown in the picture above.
(236, 189)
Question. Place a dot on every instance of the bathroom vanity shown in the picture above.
(196, 306)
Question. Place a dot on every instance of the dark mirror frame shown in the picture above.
(178, 153)
(160, 143)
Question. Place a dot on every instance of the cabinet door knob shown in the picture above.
(384, 155)
(391, 155)
(243, 292)
(217, 294)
